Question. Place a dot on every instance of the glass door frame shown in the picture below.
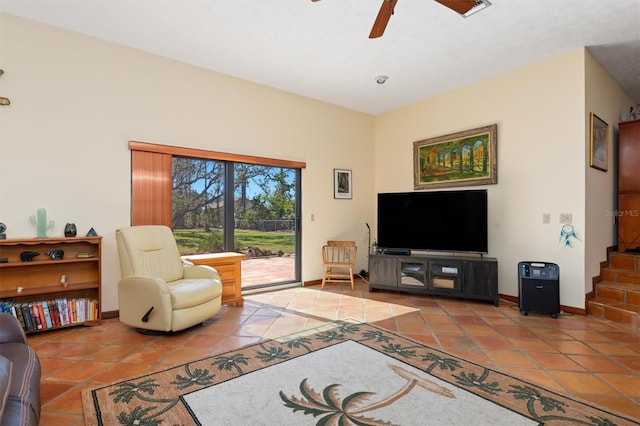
(229, 224)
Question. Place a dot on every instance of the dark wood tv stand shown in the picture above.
(463, 276)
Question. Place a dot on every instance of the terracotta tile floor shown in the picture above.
(267, 270)
(582, 357)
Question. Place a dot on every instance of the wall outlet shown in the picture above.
(566, 218)
(546, 218)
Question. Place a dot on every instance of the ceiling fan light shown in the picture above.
(479, 5)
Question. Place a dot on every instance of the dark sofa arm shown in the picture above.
(10, 329)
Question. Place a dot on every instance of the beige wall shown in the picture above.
(77, 101)
(540, 113)
(606, 99)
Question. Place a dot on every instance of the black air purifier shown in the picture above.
(539, 288)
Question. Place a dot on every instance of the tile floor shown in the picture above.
(583, 357)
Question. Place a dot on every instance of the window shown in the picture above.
(197, 205)
(220, 202)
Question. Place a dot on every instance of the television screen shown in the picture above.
(433, 221)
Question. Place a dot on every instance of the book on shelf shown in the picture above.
(17, 311)
(53, 313)
(85, 255)
(36, 315)
(65, 314)
(53, 310)
(28, 318)
(62, 309)
(72, 311)
(44, 306)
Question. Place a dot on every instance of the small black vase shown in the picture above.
(70, 230)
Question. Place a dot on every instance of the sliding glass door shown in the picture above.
(265, 224)
(222, 202)
(252, 209)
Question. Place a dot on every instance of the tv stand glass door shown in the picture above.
(445, 275)
(413, 273)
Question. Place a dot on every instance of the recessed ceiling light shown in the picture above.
(381, 79)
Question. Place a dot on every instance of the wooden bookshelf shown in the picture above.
(70, 286)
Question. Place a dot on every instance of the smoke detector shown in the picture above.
(477, 7)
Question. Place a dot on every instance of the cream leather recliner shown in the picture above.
(157, 291)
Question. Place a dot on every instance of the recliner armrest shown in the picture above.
(137, 295)
(201, 271)
(11, 330)
(149, 283)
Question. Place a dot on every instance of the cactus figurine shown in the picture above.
(41, 223)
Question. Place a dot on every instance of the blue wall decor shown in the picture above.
(567, 232)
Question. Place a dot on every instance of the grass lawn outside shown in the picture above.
(196, 241)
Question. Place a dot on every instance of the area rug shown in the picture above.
(342, 373)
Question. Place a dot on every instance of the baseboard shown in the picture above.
(508, 298)
(563, 308)
(590, 295)
(311, 282)
(110, 314)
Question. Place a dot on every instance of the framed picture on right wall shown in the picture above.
(598, 142)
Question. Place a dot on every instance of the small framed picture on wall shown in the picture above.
(598, 143)
(342, 184)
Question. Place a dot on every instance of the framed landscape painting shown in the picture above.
(458, 159)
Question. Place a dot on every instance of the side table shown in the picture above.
(228, 265)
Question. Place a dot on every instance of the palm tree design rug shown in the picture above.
(343, 373)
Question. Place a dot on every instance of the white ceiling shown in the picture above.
(321, 50)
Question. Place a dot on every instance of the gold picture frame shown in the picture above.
(598, 143)
(458, 159)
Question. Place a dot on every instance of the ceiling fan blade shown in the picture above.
(460, 6)
(386, 10)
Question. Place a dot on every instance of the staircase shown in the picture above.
(617, 296)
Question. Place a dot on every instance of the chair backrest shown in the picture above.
(150, 251)
(341, 243)
(339, 252)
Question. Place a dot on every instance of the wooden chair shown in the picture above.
(339, 258)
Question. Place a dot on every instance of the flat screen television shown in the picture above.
(453, 221)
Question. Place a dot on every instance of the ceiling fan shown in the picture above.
(386, 10)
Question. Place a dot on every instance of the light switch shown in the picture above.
(566, 218)
(546, 218)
